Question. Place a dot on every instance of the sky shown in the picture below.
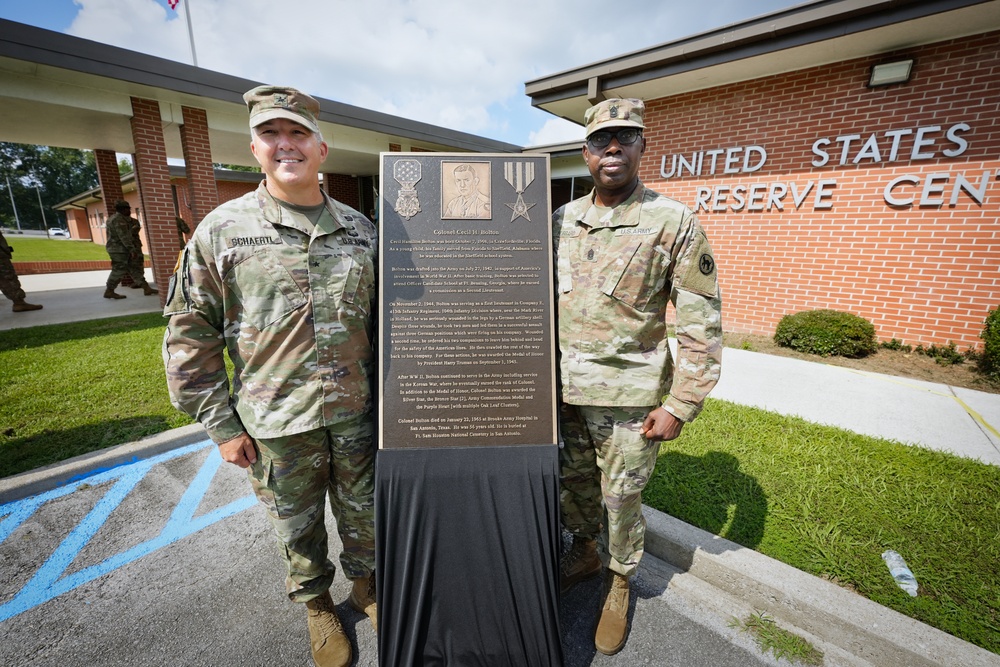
(460, 64)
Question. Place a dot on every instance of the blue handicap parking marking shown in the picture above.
(48, 581)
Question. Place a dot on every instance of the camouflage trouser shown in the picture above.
(291, 478)
(604, 457)
(9, 284)
(137, 267)
(122, 264)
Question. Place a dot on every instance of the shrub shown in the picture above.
(895, 344)
(989, 360)
(827, 332)
(945, 355)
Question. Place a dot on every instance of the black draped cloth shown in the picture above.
(468, 556)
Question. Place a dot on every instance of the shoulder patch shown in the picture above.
(698, 273)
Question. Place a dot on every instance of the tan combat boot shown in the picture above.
(362, 599)
(329, 643)
(613, 624)
(109, 293)
(21, 306)
(147, 290)
(579, 564)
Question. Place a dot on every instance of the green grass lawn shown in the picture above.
(829, 502)
(34, 249)
(70, 389)
(821, 499)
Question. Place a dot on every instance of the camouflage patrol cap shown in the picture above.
(615, 113)
(269, 102)
(121, 205)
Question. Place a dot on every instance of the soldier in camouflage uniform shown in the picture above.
(137, 263)
(125, 251)
(283, 280)
(9, 284)
(622, 253)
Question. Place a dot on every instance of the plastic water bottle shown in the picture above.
(900, 572)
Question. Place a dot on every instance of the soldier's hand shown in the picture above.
(660, 425)
(239, 451)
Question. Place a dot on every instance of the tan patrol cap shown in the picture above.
(269, 102)
(615, 113)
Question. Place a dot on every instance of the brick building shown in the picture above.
(60, 90)
(822, 185)
(87, 213)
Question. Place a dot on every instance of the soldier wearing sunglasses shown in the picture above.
(623, 253)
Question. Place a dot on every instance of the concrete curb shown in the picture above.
(873, 634)
(38, 481)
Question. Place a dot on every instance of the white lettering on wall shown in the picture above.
(900, 190)
(912, 144)
(925, 139)
(736, 160)
(762, 196)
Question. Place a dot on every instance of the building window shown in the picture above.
(564, 190)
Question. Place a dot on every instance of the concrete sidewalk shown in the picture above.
(949, 419)
(74, 297)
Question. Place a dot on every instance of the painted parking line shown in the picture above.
(48, 581)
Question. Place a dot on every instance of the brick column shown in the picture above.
(343, 188)
(109, 178)
(203, 195)
(154, 187)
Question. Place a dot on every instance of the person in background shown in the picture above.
(9, 284)
(125, 252)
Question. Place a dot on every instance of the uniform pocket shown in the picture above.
(360, 283)
(266, 289)
(262, 480)
(642, 276)
(564, 267)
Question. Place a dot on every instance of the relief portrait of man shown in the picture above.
(463, 186)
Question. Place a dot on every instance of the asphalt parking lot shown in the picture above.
(169, 561)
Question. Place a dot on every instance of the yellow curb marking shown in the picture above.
(972, 413)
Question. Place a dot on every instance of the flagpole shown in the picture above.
(187, 13)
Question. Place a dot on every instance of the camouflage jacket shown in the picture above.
(120, 236)
(616, 271)
(293, 307)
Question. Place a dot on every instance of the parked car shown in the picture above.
(55, 231)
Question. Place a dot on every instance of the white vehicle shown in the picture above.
(61, 233)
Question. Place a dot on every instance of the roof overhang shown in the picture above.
(807, 35)
(176, 172)
(58, 90)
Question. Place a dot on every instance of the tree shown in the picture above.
(45, 173)
(236, 167)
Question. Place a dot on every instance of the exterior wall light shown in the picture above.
(889, 73)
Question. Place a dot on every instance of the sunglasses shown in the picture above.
(625, 136)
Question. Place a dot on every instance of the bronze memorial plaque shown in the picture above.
(466, 320)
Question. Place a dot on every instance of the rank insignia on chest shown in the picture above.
(591, 255)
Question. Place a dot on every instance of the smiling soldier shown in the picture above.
(623, 252)
(283, 280)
